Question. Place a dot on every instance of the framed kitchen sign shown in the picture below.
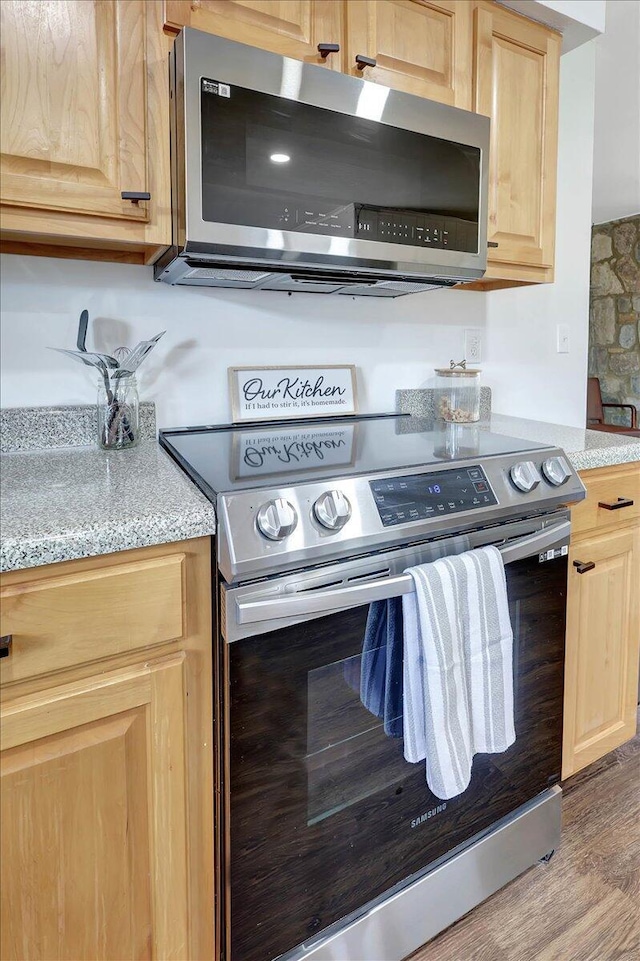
(277, 393)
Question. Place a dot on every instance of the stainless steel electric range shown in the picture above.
(330, 844)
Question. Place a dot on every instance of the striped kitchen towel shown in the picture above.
(457, 672)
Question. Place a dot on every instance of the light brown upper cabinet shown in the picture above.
(424, 48)
(84, 118)
(292, 28)
(517, 66)
(85, 109)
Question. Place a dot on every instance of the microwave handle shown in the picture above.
(323, 600)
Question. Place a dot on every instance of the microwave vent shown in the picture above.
(388, 288)
(305, 279)
(303, 283)
(228, 275)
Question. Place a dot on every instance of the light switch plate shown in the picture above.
(473, 345)
(563, 338)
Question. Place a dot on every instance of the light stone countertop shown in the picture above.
(62, 504)
(67, 503)
(586, 449)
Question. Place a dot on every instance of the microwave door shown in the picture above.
(282, 163)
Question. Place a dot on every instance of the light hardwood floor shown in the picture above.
(584, 905)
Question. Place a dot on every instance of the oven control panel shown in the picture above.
(422, 496)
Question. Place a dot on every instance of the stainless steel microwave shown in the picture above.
(289, 176)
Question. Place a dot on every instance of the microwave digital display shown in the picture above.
(280, 164)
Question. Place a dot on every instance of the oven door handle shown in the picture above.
(323, 600)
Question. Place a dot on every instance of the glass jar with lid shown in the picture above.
(457, 393)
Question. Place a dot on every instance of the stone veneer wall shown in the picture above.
(614, 316)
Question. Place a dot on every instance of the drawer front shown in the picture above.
(611, 486)
(79, 617)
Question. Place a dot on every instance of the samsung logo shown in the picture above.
(428, 814)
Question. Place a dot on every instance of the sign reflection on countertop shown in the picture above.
(277, 451)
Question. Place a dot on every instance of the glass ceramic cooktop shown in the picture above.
(231, 458)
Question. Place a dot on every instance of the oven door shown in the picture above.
(322, 813)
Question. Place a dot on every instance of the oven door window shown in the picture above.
(349, 758)
(324, 813)
(284, 165)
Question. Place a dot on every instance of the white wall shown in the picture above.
(616, 164)
(525, 370)
(394, 343)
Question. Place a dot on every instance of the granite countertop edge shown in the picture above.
(19, 553)
(122, 505)
(585, 449)
(604, 457)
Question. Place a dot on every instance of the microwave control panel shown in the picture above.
(234, 205)
(387, 226)
(416, 229)
(422, 496)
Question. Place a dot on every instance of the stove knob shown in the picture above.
(332, 510)
(556, 471)
(277, 519)
(525, 476)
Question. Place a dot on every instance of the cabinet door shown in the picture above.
(603, 641)
(94, 861)
(516, 84)
(293, 28)
(420, 46)
(74, 105)
(85, 117)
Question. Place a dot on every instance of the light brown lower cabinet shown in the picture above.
(603, 619)
(106, 792)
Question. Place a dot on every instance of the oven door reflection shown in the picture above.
(349, 756)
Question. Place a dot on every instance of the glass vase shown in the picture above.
(119, 414)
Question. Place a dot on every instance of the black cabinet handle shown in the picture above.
(324, 49)
(617, 505)
(135, 196)
(5, 645)
(362, 62)
(493, 243)
(582, 567)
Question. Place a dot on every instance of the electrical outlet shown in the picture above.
(473, 345)
(563, 338)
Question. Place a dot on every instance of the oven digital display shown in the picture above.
(421, 496)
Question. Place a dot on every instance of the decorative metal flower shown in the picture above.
(112, 369)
